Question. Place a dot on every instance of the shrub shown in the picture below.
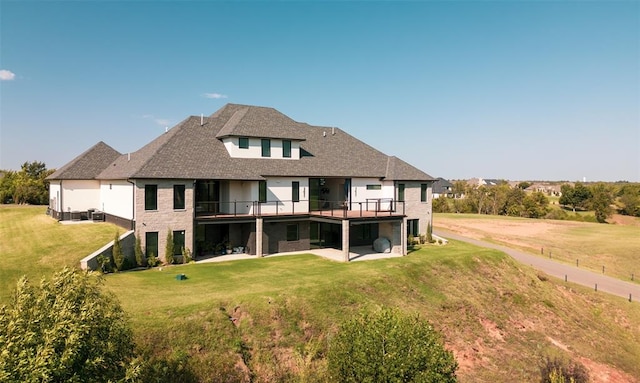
(558, 370)
(168, 250)
(64, 330)
(429, 233)
(104, 262)
(186, 255)
(387, 346)
(138, 252)
(116, 251)
(152, 261)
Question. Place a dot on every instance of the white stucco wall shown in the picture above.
(359, 192)
(255, 148)
(116, 198)
(54, 196)
(80, 195)
(279, 189)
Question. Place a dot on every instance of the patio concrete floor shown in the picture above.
(359, 253)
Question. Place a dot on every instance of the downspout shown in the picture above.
(133, 203)
(193, 226)
(61, 212)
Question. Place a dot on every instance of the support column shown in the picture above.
(259, 252)
(403, 236)
(345, 239)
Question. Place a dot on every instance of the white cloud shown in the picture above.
(7, 75)
(159, 121)
(215, 95)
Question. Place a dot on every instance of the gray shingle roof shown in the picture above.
(87, 165)
(442, 186)
(192, 150)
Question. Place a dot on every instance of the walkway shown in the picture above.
(357, 253)
(560, 270)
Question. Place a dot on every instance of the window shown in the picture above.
(266, 147)
(243, 143)
(286, 148)
(292, 232)
(295, 191)
(151, 243)
(401, 192)
(374, 187)
(413, 227)
(423, 193)
(178, 197)
(178, 242)
(150, 197)
(262, 191)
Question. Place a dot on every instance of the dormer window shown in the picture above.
(243, 142)
(266, 147)
(286, 148)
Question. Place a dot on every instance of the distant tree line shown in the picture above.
(603, 198)
(26, 186)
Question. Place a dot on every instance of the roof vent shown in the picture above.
(201, 119)
(166, 129)
(333, 131)
(128, 156)
(324, 134)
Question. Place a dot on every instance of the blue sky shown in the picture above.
(496, 89)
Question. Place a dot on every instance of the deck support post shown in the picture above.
(259, 252)
(345, 239)
(403, 236)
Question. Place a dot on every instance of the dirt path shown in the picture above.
(559, 270)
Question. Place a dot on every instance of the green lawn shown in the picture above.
(271, 318)
(35, 244)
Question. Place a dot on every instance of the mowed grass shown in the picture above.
(35, 245)
(275, 316)
(594, 245)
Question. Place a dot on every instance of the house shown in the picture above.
(442, 187)
(251, 179)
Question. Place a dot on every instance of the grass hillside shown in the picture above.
(614, 246)
(270, 319)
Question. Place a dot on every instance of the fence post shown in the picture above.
(577, 264)
(565, 277)
(602, 269)
(596, 287)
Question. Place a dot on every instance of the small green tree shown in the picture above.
(429, 233)
(388, 346)
(64, 330)
(560, 371)
(186, 255)
(116, 252)
(601, 200)
(152, 261)
(138, 252)
(168, 249)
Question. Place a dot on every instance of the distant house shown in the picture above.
(250, 179)
(548, 189)
(477, 182)
(442, 187)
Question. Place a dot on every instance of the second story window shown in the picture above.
(295, 191)
(150, 197)
(423, 193)
(286, 148)
(178, 197)
(266, 147)
(262, 191)
(401, 192)
(243, 142)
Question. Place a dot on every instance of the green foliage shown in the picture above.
(429, 233)
(104, 262)
(388, 346)
(65, 330)
(168, 250)
(575, 196)
(152, 260)
(535, 205)
(116, 252)
(601, 200)
(138, 252)
(523, 185)
(27, 185)
(559, 371)
(441, 205)
(629, 199)
(186, 255)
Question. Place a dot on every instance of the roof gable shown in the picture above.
(87, 165)
(261, 122)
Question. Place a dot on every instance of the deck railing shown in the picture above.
(371, 207)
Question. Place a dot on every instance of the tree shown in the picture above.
(7, 186)
(459, 188)
(116, 252)
(26, 186)
(64, 330)
(535, 205)
(523, 185)
(600, 201)
(168, 249)
(513, 205)
(388, 346)
(441, 205)
(629, 198)
(574, 196)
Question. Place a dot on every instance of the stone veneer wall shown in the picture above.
(165, 218)
(277, 234)
(414, 208)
